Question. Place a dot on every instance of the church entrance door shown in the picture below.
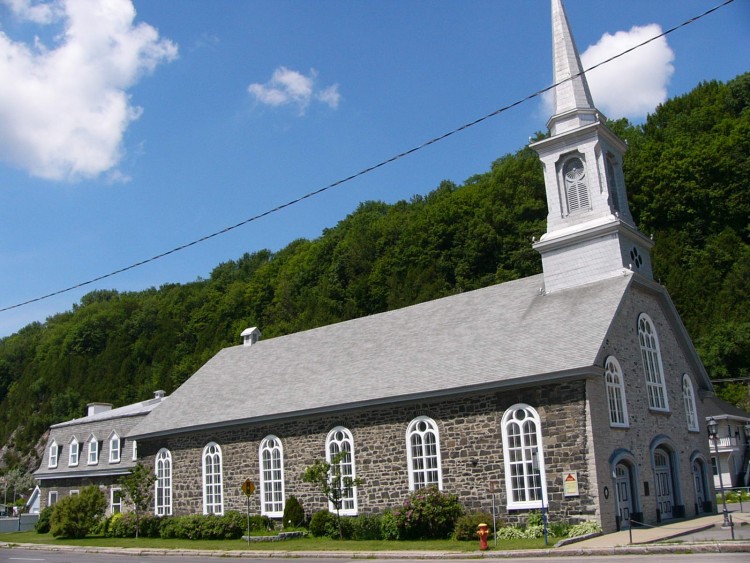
(663, 475)
(700, 485)
(624, 493)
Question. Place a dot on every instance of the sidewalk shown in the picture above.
(707, 528)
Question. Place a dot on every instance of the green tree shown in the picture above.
(138, 487)
(332, 482)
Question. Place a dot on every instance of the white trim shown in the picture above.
(163, 470)
(54, 454)
(93, 453)
(49, 498)
(341, 438)
(71, 449)
(112, 504)
(688, 399)
(74, 492)
(213, 479)
(422, 435)
(519, 415)
(615, 386)
(653, 369)
(112, 438)
(271, 459)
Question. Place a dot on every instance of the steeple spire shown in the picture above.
(590, 234)
(573, 103)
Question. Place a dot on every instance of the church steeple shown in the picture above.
(590, 231)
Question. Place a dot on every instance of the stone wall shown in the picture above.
(470, 441)
(647, 427)
(64, 486)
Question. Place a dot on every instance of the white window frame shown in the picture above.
(523, 458)
(114, 452)
(577, 196)
(271, 457)
(652, 364)
(52, 498)
(93, 457)
(339, 440)
(54, 454)
(74, 493)
(163, 483)
(135, 450)
(423, 454)
(74, 452)
(112, 503)
(688, 397)
(616, 403)
(213, 485)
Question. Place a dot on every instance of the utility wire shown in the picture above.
(365, 170)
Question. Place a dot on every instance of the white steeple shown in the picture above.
(590, 232)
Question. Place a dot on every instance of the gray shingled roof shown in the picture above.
(492, 336)
(718, 408)
(101, 425)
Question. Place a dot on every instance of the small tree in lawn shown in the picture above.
(331, 481)
(139, 488)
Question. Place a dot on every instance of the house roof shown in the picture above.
(101, 425)
(500, 335)
(718, 408)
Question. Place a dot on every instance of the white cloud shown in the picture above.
(634, 84)
(64, 108)
(291, 87)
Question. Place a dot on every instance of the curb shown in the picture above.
(703, 547)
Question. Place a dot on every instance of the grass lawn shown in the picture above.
(299, 544)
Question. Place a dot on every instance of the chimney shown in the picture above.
(96, 408)
(250, 336)
(160, 394)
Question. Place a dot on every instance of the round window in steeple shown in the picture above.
(574, 170)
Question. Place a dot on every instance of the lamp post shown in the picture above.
(713, 431)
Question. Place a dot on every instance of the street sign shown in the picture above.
(248, 487)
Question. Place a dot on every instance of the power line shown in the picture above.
(365, 170)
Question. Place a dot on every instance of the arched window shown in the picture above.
(271, 456)
(114, 448)
(523, 457)
(688, 396)
(340, 443)
(213, 501)
(52, 462)
(576, 188)
(163, 483)
(649, 341)
(618, 411)
(73, 452)
(93, 451)
(423, 453)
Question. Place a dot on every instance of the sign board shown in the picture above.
(570, 484)
(248, 487)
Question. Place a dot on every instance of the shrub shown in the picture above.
(75, 516)
(558, 529)
(584, 528)
(535, 518)
(510, 533)
(428, 514)
(388, 526)
(366, 527)
(468, 524)
(323, 524)
(294, 514)
(260, 523)
(42, 525)
(229, 526)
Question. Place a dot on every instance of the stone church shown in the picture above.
(577, 390)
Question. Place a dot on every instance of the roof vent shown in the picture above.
(160, 394)
(96, 408)
(250, 336)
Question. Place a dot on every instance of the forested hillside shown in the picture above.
(687, 172)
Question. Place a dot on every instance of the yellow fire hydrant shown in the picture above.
(483, 532)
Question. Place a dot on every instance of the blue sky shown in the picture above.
(127, 129)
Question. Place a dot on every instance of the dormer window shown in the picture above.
(52, 455)
(114, 449)
(73, 453)
(576, 188)
(93, 451)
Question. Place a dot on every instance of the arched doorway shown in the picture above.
(624, 487)
(703, 503)
(664, 484)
